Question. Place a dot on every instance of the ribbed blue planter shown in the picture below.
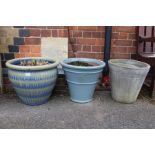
(33, 84)
(82, 80)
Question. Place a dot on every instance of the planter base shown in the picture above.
(35, 104)
(81, 102)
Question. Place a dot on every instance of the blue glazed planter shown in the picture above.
(33, 84)
(82, 80)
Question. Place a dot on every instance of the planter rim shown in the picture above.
(143, 64)
(68, 60)
(43, 67)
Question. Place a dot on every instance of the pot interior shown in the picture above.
(26, 60)
(133, 64)
(82, 62)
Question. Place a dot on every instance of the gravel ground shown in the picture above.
(60, 113)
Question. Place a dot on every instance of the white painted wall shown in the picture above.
(55, 48)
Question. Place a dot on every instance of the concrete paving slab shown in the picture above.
(61, 113)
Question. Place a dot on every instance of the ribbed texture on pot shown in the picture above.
(127, 77)
(33, 84)
(33, 87)
(82, 80)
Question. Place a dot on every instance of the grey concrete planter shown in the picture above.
(127, 77)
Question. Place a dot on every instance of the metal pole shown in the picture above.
(107, 48)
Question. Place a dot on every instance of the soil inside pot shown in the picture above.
(80, 63)
(33, 62)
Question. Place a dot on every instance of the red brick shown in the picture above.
(36, 49)
(86, 48)
(77, 47)
(76, 34)
(54, 33)
(120, 56)
(71, 54)
(19, 55)
(96, 34)
(86, 34)
(131, 50)
(70, 33)
(72, 40)
(119, 49)
(134, 43)
(35, 32)
(102, 34)
(27, 54)
(87, 28)
(63, 33)
(69, 47)
(115, 35)
(124, 29)
(132, 36)
(120, 35)
(97, 48)
(56, 27)
(100, 28)
(99, 42)
(33, 54)
(86, 41)
(90, 55)
(24, 49)
(121, 42)
(45, 33)
(32, 41)
(123, 35)
(75, 28)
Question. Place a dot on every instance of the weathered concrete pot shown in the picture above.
(82, 80)
(127, 77)
(33, 84)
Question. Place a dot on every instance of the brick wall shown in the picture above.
(85, 41)
(88, 41)
(123, 42)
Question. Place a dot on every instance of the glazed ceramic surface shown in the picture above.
(33, 84)
(82, 80)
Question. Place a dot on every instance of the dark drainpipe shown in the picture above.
(107, 48)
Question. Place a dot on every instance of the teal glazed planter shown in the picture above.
(82, 80)
(33, 84)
